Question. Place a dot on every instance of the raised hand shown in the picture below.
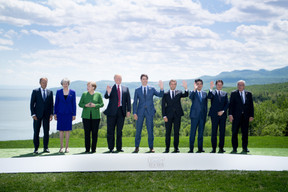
(108, 89)
(195, 86)
(211, 85)
(161, 85)
(184, 84)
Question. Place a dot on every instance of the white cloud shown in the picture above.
(85, 41)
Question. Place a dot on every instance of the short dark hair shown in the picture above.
(219, 81)
(43, 78)
(144, 75)
(196, 80)
(172, 80)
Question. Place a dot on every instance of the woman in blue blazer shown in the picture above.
(65, 112)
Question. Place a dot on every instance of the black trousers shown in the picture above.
(91, 125)
(46, 127)
(176, 120)
(221, 122)
(112, 122)
(242, 122)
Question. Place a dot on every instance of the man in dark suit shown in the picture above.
(241, 112)
(41, 106)
(119, 106)
(218, 114)
(172, 112)
(198, 115)
(143, 107)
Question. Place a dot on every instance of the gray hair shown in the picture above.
(65, 80)
(241, 81)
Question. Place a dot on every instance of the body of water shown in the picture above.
(15, 118)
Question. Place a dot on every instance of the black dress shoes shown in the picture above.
(246, 151)
(234, 151)
(176, 151)
(166, 151)
(200, 151)
(152, 150)
(190, 151)
(35, 151)
(136, 150)
(221, 151)
(46, 151)
(121, 150)
(213, 151)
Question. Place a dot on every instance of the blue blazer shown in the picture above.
(217, 104)
(65, 106)
(140, 103)
(198, 108)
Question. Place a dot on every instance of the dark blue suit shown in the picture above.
(218, 103)
(43, 109)
(198, 114)
(116, 115)
(65, 109)
(144, 107)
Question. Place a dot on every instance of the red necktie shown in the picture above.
(118, 92)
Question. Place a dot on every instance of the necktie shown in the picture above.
(173, 94)
(199, 96)
(219, 95)
(241, 94)
(118, 92)
(145, 92)
(44, 95)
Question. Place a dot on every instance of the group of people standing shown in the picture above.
(240, 110)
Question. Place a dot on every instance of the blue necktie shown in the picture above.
(44, 95)
(199, 96)
(145, 92)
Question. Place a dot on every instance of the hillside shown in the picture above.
(251, 77)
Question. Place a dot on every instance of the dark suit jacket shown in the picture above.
(65, 106)
(198, 109)
(218, 105)
(236, 106)
(38, 106)
(173, 106)
(111, 109)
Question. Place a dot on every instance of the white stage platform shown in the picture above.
(142, 162)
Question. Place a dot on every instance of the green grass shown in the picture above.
(147, 181)
(254, 142)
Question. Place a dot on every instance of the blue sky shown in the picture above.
(93, 40)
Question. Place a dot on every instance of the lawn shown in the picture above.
(147, 181)
(254, 142)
